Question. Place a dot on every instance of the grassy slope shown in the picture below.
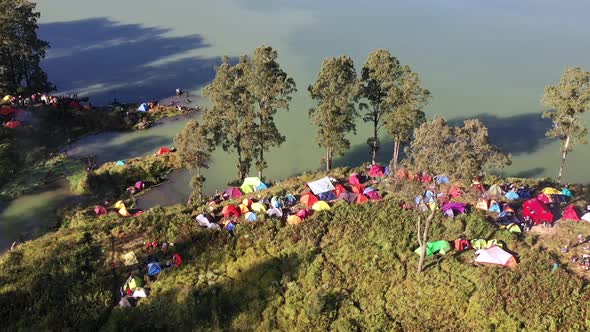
(347, 269)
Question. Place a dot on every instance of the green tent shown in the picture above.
(432, 248)
(252, 184)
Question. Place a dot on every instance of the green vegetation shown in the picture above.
(569, 100)
(351, 268)
(194, 150)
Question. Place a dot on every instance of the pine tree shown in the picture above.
(271, 89)
(335, 90)
(231, 118)
(21, 50)
(194, 150)
(569, 99)
(388, 86)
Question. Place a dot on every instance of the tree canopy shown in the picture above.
(400, 127)
(569, 100)
(21, 50)
(335, 90)
(388, 86)
(460, 152)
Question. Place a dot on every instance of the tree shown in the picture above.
(422, 234)
(335, 90)
(21, 50)
(231, 118)
(569, 99)
(388, 86)
(461, 152)
(271, 89)
(194, 150)
(400, 126)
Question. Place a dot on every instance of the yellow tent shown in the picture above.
(6, 98)
(122, 209)
(482, 204)
(432, 206)
(294, 220)
(243, 209)
(320, 206)
(551, 191)
(129, 258)
(258, 207)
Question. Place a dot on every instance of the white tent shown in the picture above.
(586, 216)
(495, 255)
(321, 186)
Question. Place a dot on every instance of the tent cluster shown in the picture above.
(487, 251)
(134, 287)
(121, 208)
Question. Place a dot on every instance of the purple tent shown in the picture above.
(348, 197)
(453, 208)
(368, 190)
(374, 195)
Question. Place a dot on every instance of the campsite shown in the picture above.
(231, 166)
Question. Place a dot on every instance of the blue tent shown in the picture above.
(230, 227)
(566, 192)
(327, 196)
(512, 195)
(276, 202)
(524, 194)
(495, 207)
(120, 163)
(143, 107)
(290, 199)
(153, 269)
(441, 179)
(251, 216)
(261, 186)
(418, 199)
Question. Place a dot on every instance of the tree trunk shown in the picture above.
(566, 146)
(328, 158)
(200, 186)
(261, 160)
(396, 147)
(424, 241)
(374, 146)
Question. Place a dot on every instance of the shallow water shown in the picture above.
(479, 59)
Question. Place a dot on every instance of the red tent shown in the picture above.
(339, 189)
(537, 211)
(304, 213)
(163, 150)
(354, 179)
(100, 210)
(308, 199)
(176, 260)
(426, 178)
(6, 110)
(358, 189)
(376, 171)
(361, 199)
(544, 198)
(570, 213)
(230, 210)
(12, 124)
(462, 244)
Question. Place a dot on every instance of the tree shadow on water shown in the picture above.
(105, 59)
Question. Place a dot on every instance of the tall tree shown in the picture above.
(231, 118)
(388, 86)
(194, 150)
(400, 126)
(461, 152)
(21, 50)
(271, 89)
(569, 100)
(335, 90)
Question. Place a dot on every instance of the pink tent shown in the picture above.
(376, 171)
(354, 179)
(570, 213)
(544, 198)
(374, 195)
(304, 213)
(100, 210)
(139, 185)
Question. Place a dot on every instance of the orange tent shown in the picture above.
(358, 189)
(401, 173)
(308, 199)
(361, 199)
(339, 189)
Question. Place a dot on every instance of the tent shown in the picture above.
(513, 228)
(321, 186)
(462, 244)
(274, 212)
(290, 199)
(139, 185)
(361, 199)
(258, 207)
(354, 179)
(122, 209)
(453, 208)
(120, 163)
(132, 283)
(347, 197)
(153, 269)
(243, 209)
(567, 193)
(304, 213)
(570, 213)
(401, 173)
(276, 202)
(233, 192)
(426, 178)
(13, 124)
(320, 206)
(368, 190)
(294, 220)
(455, 191)
(339, 189)
(479, 244)
(537, 211)
(327, 196)
(544, 198)
(494, 206)
(482, 204)
(230, 210)
(376, 171)
(386, 171)
(176, 260)
(252, 184)
(6, 99)
(6, 110)
(143, 107)
(100, 210)
(512, 195)
(586, 216)
(441, 179)
(495, 191)
(247, 202)
(250, 216)
(138, 213)
(163, 150)
(524, 194)
(374, 195)
(358, 189)
(129, 259)
(432, 248)
(550, 191)
(308, 199)
(202, 220)
(495, 256)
